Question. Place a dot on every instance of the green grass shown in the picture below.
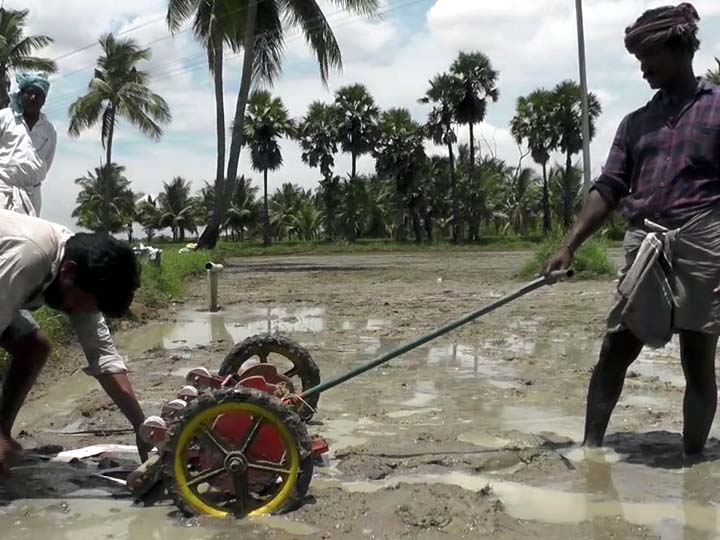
(591, 261)
(162, 284)
(254, 249)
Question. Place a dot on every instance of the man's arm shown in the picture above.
(108, 367)
(612, 186)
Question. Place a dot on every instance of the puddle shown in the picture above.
(425, 394)
(414, 412)
(90, 519)
(550, 505)
(195, 328)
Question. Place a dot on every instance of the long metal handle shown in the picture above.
(548, 279)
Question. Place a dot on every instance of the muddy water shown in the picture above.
(501, 404)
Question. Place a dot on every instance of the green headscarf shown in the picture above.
(38, 81)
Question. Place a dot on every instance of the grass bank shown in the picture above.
(591, 261)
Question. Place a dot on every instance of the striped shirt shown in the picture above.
(664, 167)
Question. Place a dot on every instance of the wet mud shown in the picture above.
(472, 436)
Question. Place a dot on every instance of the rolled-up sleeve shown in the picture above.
(614, 182)
(98, 345)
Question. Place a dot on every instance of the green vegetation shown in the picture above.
(591, 261)
(164, 283)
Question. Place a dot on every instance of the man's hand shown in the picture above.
(143, 447)
(562, 260)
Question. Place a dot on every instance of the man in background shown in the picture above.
(27, 145)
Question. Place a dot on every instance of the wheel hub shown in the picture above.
(235, 463)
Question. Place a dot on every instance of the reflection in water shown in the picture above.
(201, 328)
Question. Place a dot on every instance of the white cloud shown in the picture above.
(531, 42)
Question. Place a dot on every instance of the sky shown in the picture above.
(532, 43)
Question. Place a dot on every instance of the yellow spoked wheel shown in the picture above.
(238, 452)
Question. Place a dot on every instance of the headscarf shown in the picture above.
(658, 26)
(39, 81)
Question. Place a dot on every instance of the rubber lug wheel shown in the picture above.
(304, 370)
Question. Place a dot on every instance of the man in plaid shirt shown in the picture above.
(664, 166)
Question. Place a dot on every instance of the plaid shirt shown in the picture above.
(666, 168)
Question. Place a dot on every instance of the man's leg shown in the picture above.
(697, 352)
(28, 355)
(619, 350)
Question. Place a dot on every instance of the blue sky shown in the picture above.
(531, 42)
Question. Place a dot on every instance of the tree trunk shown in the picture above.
(547, 226)
(567, 194)
(417, 227)
(111, 134)
(399, 216)
(266, 212)
(329, 197)
(224, 195)
(4, 89)
(455, 200)
(353, 170)
(472, 152)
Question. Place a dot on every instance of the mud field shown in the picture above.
(473, 436)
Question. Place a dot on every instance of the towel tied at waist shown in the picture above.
(668, 281)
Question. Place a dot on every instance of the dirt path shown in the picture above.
(472, 436)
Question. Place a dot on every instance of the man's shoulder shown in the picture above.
(45, 234)
(7, 115)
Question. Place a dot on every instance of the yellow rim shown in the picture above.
(204, 418)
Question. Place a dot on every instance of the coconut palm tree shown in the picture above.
(178, 208)
(266, 121)
(16, 50)
(244, 211)
(259, 28)
(205, 202)
(565, 190)
(105, 202)
(307, 220)
(357, 117)
(533, 123)
(283, 206)
(444, 93)
(479, 82)
(119, 90)
(376, 207)
(567, 118)
(522, 200)
(148, 215)
(400, 154)
(713, 75)
(317, 134)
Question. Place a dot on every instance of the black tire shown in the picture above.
(304, 367)
(287, 415)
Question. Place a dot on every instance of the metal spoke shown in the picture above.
(292, 372)
(204, 477)
(251, 436)
(240, 485)
(208, 434)
(268, 467)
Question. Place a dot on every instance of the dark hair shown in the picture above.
(107, 268)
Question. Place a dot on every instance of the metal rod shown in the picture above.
(212, 274)
(554, 277)
(584, 96)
